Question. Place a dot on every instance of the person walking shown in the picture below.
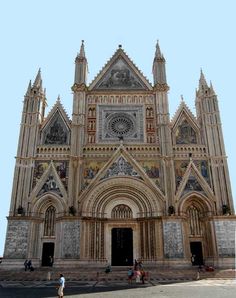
(61, 286)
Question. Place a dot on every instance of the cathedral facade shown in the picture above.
(120, 180)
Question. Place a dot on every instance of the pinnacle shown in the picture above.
(158, 53)
(202, 81)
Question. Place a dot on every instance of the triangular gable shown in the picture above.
(120, 73)
(122, 164)
(121, 167)
(193, 181)
(50, 182)
(185, 128)
(55, 129)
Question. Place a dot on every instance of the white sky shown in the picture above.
(48, 34)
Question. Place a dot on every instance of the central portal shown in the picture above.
(122, 247)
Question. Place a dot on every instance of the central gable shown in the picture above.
(120, 74)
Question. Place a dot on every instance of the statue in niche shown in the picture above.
(204, 169)
(56, 134)
(185, 134)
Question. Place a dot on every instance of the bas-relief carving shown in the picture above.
(173, 240)
(121, 168)
(56, 133)
(120, 121)
(185, 134)
(71, 239)
(225, 238)
(61, 168)
(120, 76)
(17, 239)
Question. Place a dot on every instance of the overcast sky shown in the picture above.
(47, 34)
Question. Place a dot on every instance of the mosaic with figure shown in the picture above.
(50, 186)
(120, 76)
(121, 167)
(56, 133)
(185, 134)
(180, 169)
(152, 169)
(91, 168)
(61, 168)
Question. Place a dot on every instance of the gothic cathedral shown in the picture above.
(120, 180)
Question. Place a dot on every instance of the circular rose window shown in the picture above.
(120, 124)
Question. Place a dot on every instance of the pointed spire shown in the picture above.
(81, 66)
(202, 81)
(38, 79)
(158, 68)
(82, 51)
(158, 53)
(58, 98)
(28, 89)
(212, 89)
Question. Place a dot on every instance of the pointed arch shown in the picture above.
(50, 221)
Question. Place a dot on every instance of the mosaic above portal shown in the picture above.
(61, 168)
(121, 168)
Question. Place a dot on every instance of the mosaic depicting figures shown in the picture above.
(180, 169)
(120, 76)
(56, 133)
(91, 168)
(50, 185)
(152, 169)
(121, 168)
(192, 184)
(185, 134)
(61, 168)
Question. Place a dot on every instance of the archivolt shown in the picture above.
(135, 192)
(39, 205)
(205, 204)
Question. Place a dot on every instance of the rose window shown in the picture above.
(120, 125)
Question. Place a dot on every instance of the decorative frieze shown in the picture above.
(120, 99)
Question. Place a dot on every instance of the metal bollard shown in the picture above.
(49, 275)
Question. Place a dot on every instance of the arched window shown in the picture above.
(121, 211)
(49, 221)
(194, 221)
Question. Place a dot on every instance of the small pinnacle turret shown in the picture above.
(81, 67)
(158, 69)
(28, 89)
